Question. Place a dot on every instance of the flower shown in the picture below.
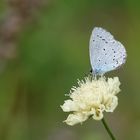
(91, 98)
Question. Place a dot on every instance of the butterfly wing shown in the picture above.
(106, 54)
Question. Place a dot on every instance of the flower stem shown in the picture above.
(108, 129)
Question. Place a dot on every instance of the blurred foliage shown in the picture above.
(53, 54)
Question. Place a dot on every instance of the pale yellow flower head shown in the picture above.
(91, 98)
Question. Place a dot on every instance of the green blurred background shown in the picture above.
(52, 54)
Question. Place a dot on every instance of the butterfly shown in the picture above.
(106, 53)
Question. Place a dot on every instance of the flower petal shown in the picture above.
(75, 118)
(69, 105)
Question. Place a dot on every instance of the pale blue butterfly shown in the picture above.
(106, 53)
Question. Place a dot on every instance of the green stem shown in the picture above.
(108, 129)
